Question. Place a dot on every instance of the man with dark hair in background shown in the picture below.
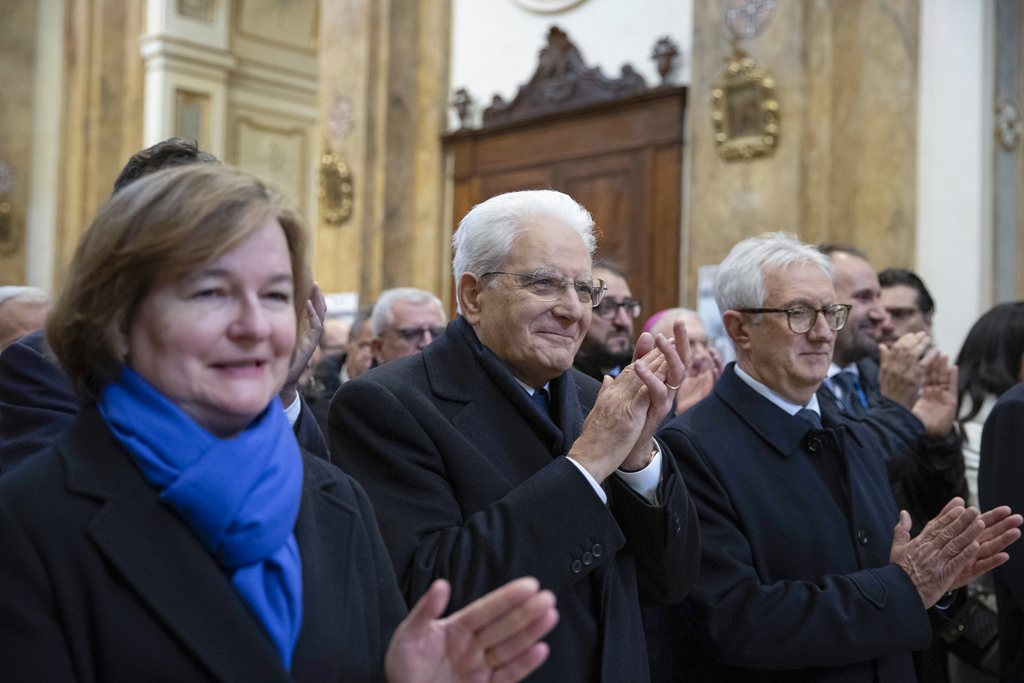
(908, 303)
(335, 369)
(37, 401)
(608, 344)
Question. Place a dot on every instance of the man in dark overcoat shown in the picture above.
(803, 577)
(487, 457)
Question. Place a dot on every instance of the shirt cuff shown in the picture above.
(293, 411)
(593, 482)
(645, 481)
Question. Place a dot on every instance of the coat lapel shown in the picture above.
(163, 562)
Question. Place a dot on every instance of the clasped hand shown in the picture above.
(956, 547)
(619, 432)
(920, 380)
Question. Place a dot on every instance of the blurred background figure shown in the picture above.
(705, 364)
(908, 302)
(22, 311)
(404, 321)
(990, 365)
(608, 344)
(992, 355)
(334, 369)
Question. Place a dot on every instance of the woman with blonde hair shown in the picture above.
(176, 532)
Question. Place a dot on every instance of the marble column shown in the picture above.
(102, 112)
(383, 100)
(846, 77)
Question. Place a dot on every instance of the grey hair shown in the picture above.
(487, 233)
(383, 318)
(739, 280)
(28, 295)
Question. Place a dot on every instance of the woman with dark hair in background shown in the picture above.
(990, 363)
(176, 531)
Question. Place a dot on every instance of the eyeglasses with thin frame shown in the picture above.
(609, 308)
(414, 335)
(802, 318)
(549, 288)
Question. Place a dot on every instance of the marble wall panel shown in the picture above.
(844, 169)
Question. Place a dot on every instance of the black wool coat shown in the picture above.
(101, 582)
(795, 581)
(1001, 482)
(469, 484)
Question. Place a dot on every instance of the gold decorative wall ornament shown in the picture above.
(744, 110)
(335, 191)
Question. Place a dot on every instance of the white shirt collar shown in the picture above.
(530, 390)
(790, 407)
(834, 370)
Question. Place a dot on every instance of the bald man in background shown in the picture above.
(22, 311)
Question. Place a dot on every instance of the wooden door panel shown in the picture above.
(514, 181)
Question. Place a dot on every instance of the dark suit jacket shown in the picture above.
(467, 480)
(925, 471)
(37, 403)
(795, 582)
(103, 582)
(1001, 482)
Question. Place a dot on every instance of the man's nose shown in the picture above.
(425, 339)
(568, 304)
(820, 330)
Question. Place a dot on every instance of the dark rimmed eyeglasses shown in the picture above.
(609, 308)
(589, 293)
(414, 335)
(802, 318)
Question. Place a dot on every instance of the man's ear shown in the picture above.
(468, 293)
(377, 349)
(737, 327)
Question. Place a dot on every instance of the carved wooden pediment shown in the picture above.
(562, 81)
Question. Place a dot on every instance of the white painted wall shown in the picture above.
(495, 42)
(955, 163)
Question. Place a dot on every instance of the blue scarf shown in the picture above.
(239, 496)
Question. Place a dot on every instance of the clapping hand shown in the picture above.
(957, 546)
(936, 406)
(619, 431)
(494, 639)
(901, 369)
(316, 309)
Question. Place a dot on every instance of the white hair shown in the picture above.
(383, 318)
(486, 234)
(739, 280)
(28, 295)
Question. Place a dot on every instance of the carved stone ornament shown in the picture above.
(748, 19)
(462, 102)
(335, 191)
(562, 81)
(1008, 125)
(744, 110)
(664, 56)
(548, 6)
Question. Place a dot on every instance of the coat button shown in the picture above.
(587, 558)
(577, 566)
(597, 549)
(813, 444)
(862, 536)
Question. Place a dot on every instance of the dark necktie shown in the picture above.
(809, 416)
(540, 399)
(852, 402)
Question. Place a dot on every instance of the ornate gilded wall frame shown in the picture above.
(745, 111)
(335, 191)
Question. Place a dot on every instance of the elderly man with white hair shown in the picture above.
(808, 570)
(404, 321)
(486, 456)
(22, 311)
